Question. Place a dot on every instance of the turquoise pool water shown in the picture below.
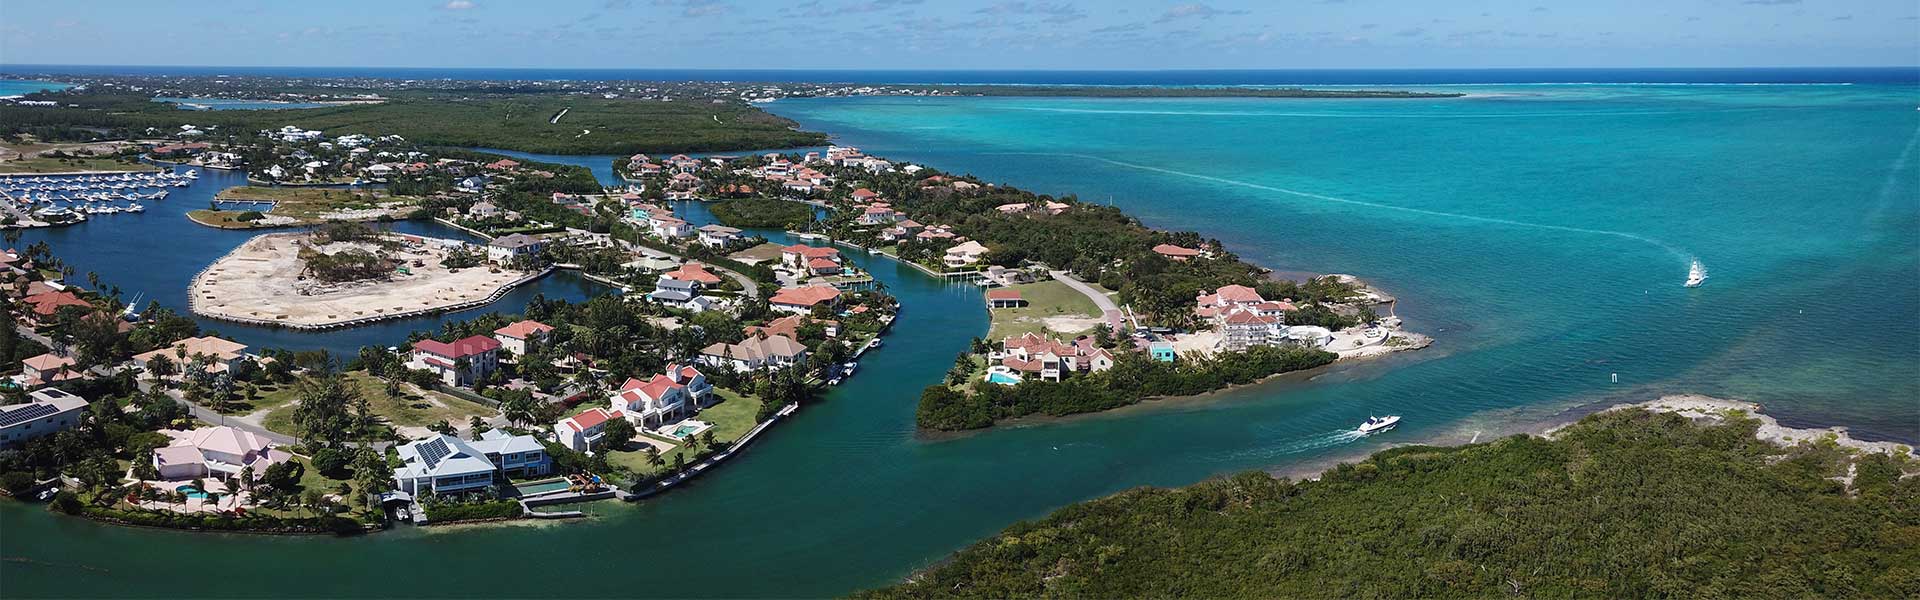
(684, 430)
(541, 487)
(192, 492)
(1002, 378)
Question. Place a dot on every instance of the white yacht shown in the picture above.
(1379, 424)
(1696, 274)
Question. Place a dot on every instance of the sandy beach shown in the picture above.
(261, 282)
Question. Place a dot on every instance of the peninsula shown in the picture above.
(326, 279)
(1597, 508)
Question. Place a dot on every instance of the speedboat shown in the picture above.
(1379, 424)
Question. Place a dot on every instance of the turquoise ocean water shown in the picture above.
(1540, 232)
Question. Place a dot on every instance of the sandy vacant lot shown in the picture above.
(261, 280)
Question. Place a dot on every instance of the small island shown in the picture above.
(344, 275)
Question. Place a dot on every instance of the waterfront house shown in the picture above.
(800, 256)
(513, 455)
(686, 181)
(693, 271)
(222, 355)
(790, 325)
(1176, 253)
(802, 299)
(1004, 298)
(1049, 360)
(665, 398)
(580, 432)
(483, 210)
(522, 337)
(459, 363)
(503, 164)
(880, 215)
(46, 411)
(966, 253)
(442, 464)
(755, 353)
(718, 236)
(219, 452)
(508, 247)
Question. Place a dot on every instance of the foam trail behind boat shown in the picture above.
(1685, 257)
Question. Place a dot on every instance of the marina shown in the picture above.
(64, 199)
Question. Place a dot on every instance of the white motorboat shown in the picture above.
(1379, 424)
(1696, 274)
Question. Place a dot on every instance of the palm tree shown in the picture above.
(653, 457)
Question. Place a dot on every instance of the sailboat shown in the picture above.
(1696, 274)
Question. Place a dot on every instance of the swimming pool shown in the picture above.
(1003, 378)
(684, 430)
(192, 492)
(542, 487)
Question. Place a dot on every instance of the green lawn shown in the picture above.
(412, 408)
(731, 418)
(1044, 299)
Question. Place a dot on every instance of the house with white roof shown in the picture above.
(46, 411)
(718, 235)
(443, 464)
(966, 253)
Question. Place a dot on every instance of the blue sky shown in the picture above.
(936, 34)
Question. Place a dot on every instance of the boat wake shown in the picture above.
(1308, 444)
(1685, 257)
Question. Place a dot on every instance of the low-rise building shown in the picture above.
(802, 299)
(48, 368)
(580, 432)
(966, 253)
(1004, 298)
(679, 294)
(1049, 360)
(663, 399)
(443, 464)
(221, 355)
(755, 353)
(523, 337)
(718, 235)
(459, 363)
(46, 411)
(217, 452)
(508, 247)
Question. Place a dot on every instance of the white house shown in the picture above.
(666, 398)
(47, 411)
(442, 464)
(580, 432)
(718, 235)
(522, 337)
(679, 294)
(481, 354)
(505, 248)
(966, 253)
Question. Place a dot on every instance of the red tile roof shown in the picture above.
(587, 420)
(1003, 294)
(806, 251)
(48, 303)
(694, 272)
(522, 329)
(460, 348)
(804, 296)
(1172, 251)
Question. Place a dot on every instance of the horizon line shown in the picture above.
(5, 65)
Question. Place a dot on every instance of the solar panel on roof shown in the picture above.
(434, 451)
(29, 413)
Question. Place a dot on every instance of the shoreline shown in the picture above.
(195, 285)
(1698, 407)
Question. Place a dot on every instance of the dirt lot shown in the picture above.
(262, 280)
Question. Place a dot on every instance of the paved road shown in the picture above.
(1108, 309)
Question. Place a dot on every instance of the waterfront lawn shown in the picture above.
(414, 407)
(731, 418)
(311, 202)
(1045, 300)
